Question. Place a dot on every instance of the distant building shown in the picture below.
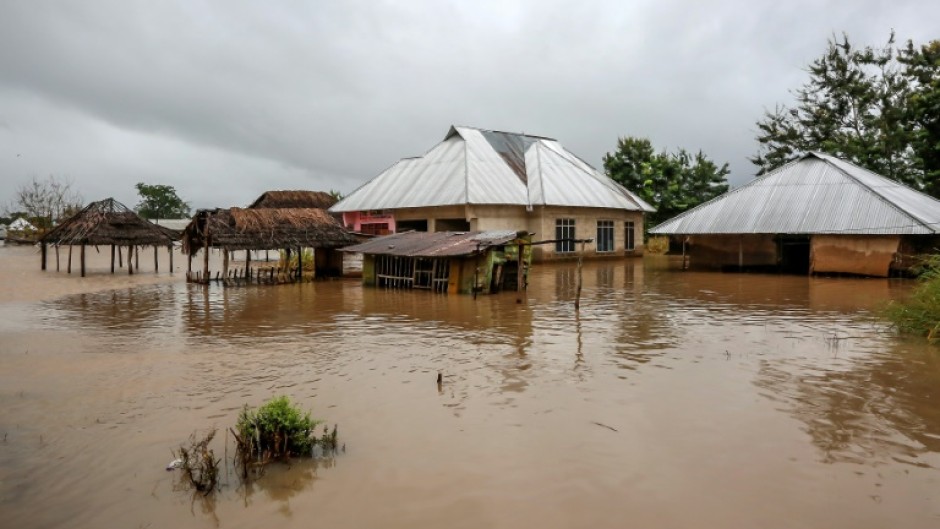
(21, 224)
(818, 214)
(483, 180)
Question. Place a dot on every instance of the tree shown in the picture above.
(160, 202)
(874, 106)
(672, 183)
(46, 202)
(922, 67)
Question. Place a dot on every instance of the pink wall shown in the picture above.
(355, 219)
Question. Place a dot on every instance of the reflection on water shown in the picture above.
(741, 398)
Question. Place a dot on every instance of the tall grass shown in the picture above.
(920, 314)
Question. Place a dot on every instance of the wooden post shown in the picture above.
(112, 258)
(69, 270)
(248, 264)
(83, 260)
(130, 263)
(156, 264)
(170, 251)
(205, 258)
(577, 296)
(300, 264)
(120, 258)
(225, 253)
(520, 273)
(136, 252)
(57, 257)
(42, 250)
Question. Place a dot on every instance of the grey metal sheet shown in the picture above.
(816, 194)
(469, 167)
(433, 244)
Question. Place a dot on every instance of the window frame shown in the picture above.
(565, 228)
(629, 235)
(608, 238)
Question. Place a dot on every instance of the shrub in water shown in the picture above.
(277, 429)
(920, 314)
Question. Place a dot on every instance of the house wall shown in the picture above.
(540, 221)
(868, 255)
(543, 219)
(719, 251)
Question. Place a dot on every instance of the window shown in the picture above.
(605, 236)
(564, 229)
(629, 237)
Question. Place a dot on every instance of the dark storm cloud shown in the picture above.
(226, 99)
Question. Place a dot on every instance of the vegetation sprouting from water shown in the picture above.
(920, 314)
(199, 464)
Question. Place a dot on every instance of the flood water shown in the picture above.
(672, 399)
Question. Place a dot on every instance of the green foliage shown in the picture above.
(875, 106)
(160, 202)
(920, 314)
(277, 429)
(672, 183)
(291, 264)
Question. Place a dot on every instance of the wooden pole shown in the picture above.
(112, 258)
(577, 296)
(42, 250)
(120, 258)
(83, 260)
(225, 263)
(300, 264)
(56, 257)
(170, 251)
(69, 270)
(205, 259)
(248, 264)
(136, 252)
(130, 263)
(156, 264)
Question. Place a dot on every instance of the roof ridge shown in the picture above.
(829, 160)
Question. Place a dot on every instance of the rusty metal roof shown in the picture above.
(816, 194)
(435, 244)
(476, 166)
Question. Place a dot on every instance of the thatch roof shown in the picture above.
(108, 222)
(265, 229)
(294, 199)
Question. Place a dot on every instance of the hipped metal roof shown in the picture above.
(435, 244)
(475, 166)
(813, 195)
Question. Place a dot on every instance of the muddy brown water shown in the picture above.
(673, 399)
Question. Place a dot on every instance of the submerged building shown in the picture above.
(462, 262)
(818, 214)
(484, 180)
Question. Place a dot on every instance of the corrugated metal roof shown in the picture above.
(474, 166)
(434, 244)
(815, 194)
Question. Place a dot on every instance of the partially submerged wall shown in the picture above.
(867, 255)
(722, 251)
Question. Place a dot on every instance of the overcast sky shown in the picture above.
(224, 100)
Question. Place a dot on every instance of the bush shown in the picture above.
(657, 245)
(920, 314)
(277, 429)
(200, 467)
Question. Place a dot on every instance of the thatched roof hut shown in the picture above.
(108, 222)
(294, 199)
(277, 220)
(264, 229)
